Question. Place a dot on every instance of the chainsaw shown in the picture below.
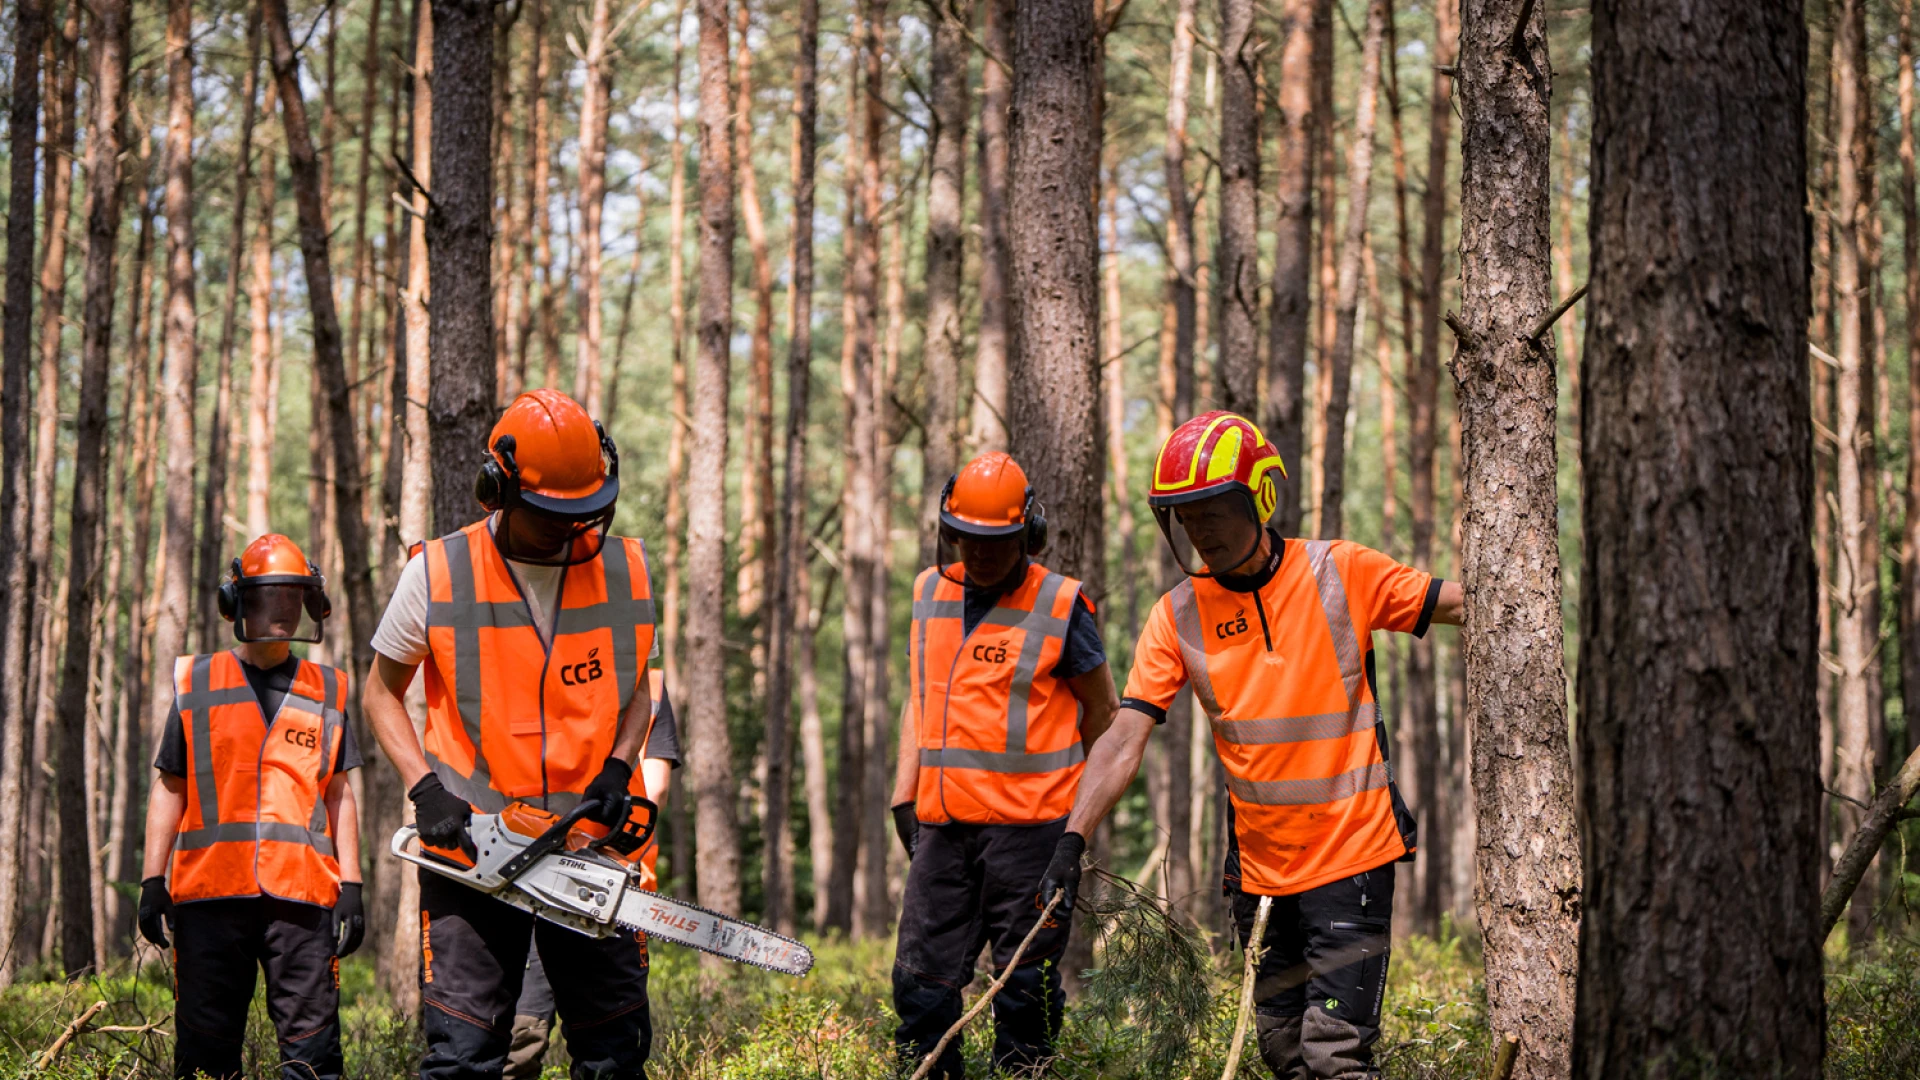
(564, 869)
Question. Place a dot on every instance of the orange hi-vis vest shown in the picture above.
(999, 735)
(256, 815)
(512, 717)
(1299, 736)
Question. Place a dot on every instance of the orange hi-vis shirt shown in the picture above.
(999, 734)
(256, 816)
(1281, 673)
(515, 718)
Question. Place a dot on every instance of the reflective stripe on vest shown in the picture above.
(1022, 751)
(626, 617)
(222, 847)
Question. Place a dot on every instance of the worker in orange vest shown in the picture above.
(535, 627)
(1010, 688)
(1274, 636)
(252, 847)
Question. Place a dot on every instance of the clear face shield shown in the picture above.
(533, 536)
(278, 607)
(980, 561)
(1213, 535)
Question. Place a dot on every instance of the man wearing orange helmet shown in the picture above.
(252, 845)
(1274, 636)
(1010, 688)
(535, 628)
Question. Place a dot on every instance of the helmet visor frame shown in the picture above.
(278, 608)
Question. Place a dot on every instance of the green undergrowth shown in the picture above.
(742, 1024)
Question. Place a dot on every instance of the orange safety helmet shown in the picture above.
(990, 498)
(284, 585)
(546, 454)
(1213, 454)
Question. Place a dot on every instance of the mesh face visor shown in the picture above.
(277, 607)
(1210, 533)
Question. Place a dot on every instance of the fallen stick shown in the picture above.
(987, 998)
(1504, 1062)
(1254, 949)
(66, 1036)
(1878, 821)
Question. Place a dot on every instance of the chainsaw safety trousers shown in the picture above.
(473, 961)
(1281, 667)
(513, 715)
(1318, 990)
(971, 887)
(256, 816)
(219, 948)
(999, 734)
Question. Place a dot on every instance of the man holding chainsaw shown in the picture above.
(1009, 688)
(1274, 636)
(535, 627)
(252, 847)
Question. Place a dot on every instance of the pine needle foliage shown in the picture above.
(1155, 982)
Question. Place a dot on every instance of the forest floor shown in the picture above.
(752, 1025)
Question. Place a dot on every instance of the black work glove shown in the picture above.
(1063, 874)
(349, 920)
(156, 909)
(440, 815)
(906, 822)
(609, 793)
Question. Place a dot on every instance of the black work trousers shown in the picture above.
(969, 887)
(219, 946)
(473, 959)
(1318, 990)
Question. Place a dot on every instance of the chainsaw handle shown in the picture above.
(639, 835)
(547, 842)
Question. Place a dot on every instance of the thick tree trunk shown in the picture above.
(540, 180)
(359, 345)
(263, 383)
(1290, 313)
(946, 264)
(459, 232)
(1113, 364)
(1528, 857)
(711, 747)
(756, 492)
(790, 600)
(109, 48)
(681, 854)
(1910, 266)
(1054, 370)
(989, 405)
(1856, 571)
(1238, 370)
(1435, 814)
(1696, 613)
(594, 102)
(1333, 465)
(16, 508)
(1181, 284)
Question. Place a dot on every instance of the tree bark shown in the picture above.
(359, 351)
(1696, 613)
(1528, 857)
(1289, 316)
(1238, 369)
(711, 746)
(263, 396)
(540, 195)
(1333, 465)
(989, 406)
(16, 507)
(681, 855)
(1113, 365)
(946, 263)
(109, 48)
(594, 102)
(791, 555)
(756, 492)
(813, 742)
(1055, 363)
(459, 232)
(1910, 266)
(1181, 284)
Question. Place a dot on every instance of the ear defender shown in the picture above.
(1036, 516)
(317, 604)
(496, 486)
(227, 598)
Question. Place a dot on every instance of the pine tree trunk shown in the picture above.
(1910, 267)
(1696, 612)
(1528, 880)
(540, 179)
(1113, 364)
(359, 358)
(1290, 313)
(790, 600)
(143, 431)
(1435, 814)
(1333, 465)
(594, 103)
(946, 264)
(263, 399)
(681, 855)
(877, 846)
(109, 48)
(1238, 369)
(989, 406)
(711, 747)
(1181, 284)
(459, 232)
(756, 493)
(813, 742)
(16, 508)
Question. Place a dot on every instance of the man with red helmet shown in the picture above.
(535, 627)
(252, 845)
(1010, 688)
(1274, 636)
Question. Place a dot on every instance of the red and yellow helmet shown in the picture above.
(1215, 453)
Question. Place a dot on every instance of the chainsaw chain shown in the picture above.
(724, 918)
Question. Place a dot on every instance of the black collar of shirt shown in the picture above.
(1254, 582)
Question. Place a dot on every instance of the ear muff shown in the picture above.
(317, 604)
(497, 487)
(1036, 516)
(608, 451)
(228, 596)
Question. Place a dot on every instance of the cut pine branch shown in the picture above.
(1887, 810)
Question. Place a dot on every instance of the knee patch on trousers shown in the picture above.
(1280, 1044)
